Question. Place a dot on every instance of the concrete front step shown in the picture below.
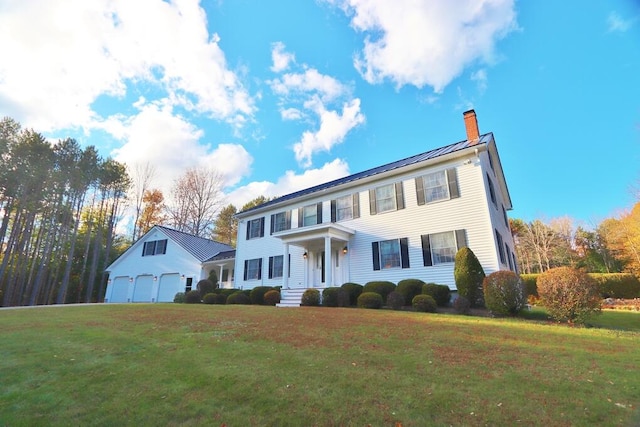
(292, 297)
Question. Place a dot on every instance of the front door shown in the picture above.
(318, 270)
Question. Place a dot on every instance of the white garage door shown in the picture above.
(119, 289)
(143, 288)
(169, 286)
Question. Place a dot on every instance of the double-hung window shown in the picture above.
(280, 221)
(436, 186)
(390, 254)
(253, 269)
(386, 198)
(310, 215)
(492, 191)
(441, 248)
(276, 266)
(500, 244)
(154, 247)
(345, 208)
(255, 228)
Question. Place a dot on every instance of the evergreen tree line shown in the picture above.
(59, 205)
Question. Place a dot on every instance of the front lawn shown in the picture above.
(173, 364)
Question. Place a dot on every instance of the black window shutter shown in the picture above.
(452, 177)
(144, 248)
(372, 202)
(399, 196)
(300, 219)
(426, 250)
(319, 213)
(404, 252)
(420, 190)
(246, 267)
(289, 272)
(333, 211)
(248, 229)
(461, 239)
(270, 267)
(273, 223)
(356, 205)
(260, 269)
(262, 227)
(376, 255)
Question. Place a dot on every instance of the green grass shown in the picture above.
(625, 320)
(186, 365)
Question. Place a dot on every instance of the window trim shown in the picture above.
(460, 237)
(404, 254)
(246, 269)
(398, 199)
(274, 221)
(451, 178)
(355, 207)
(250, 228)
(154, 247)
(271, 273)
(318, 215)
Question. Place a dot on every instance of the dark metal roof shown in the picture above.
(431, 154)
(201, 248)
(223, 255)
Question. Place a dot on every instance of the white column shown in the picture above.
(328, 266)
(285, 267)
(220, 276)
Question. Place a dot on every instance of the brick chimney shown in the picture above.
(471, 124)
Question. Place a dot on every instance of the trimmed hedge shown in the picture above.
(610, 285)
(370, 300)
(210, 298)
(440, 293)
(239, 297)
(179, 298)
(395, 300)
(310, 298)
(354, 290)
(381, 287)
(257, 294)
(192, 297)
(204, 287)
(569, 294)
(504, 293)
(272, 297)
(468, 275)
(424, 303)
(409, 288)
(330, 297)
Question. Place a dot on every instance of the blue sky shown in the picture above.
(280, 95)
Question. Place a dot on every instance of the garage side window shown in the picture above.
(154, 247)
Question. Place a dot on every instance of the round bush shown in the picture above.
(205, 286)
(238, 297)
(468, 275)
(568, 294)
(409, 288)
(395, 300)
(192, 297)
(343, 298)
(354, 290)
(440, 293)
(272, 297)
(424, 303)
(179, 298)
(210, 298)
(257, 294)
(381, 287)
(330, 297)
(504, 293)
(462, 305)
(227, 292)
(220, 299)
(370, 300)
(310, 297)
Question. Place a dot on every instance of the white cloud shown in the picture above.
(333, 129)
(288, 183)
(426, 43)
(83, 50)
(480, 77)
(156, 135)
(280, 58)
(615, 22)
(291, 114)
(311, 80)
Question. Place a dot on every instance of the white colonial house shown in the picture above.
(164, 262)
(405, 219)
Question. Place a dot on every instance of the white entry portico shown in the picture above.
(325, 256)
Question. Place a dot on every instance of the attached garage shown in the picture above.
(119, 289)
(169, 286)
(143, 289)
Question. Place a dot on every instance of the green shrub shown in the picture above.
(272, 297)
(343, 298)
(468, 275)
(310, 297)
(330, 297)
(257, 294)
(569, 294)
(354, 290)
(381, 287)
(462, 305)
(205, 286)
(370, 300)
(504, 293)
(239, 297)
(440, 293)
(227, 292)
(192, 297)
(221, 299)
(529, 282)
(617, 285)
(395, 300)
(210, 298)
(424, 303)
(179, 298)
(409, 288)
